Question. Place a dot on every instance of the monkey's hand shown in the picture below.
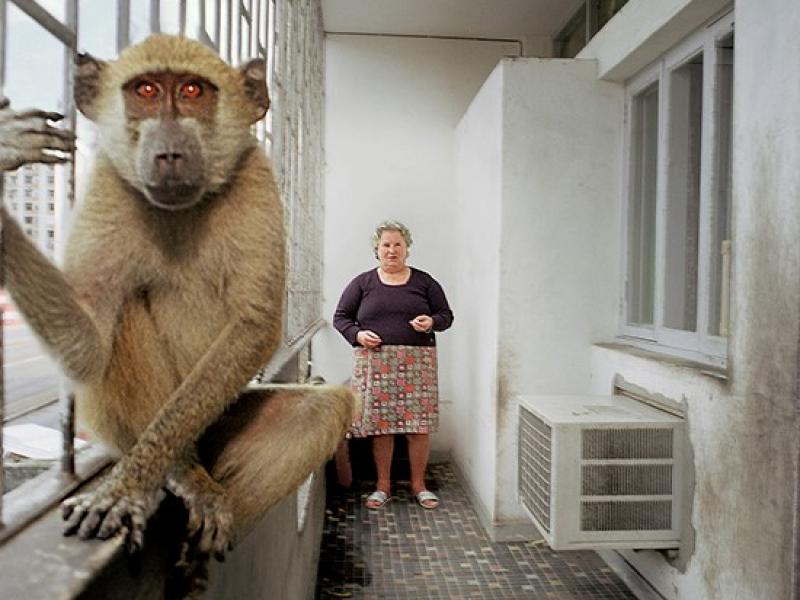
(210, 525)
(26, 137)
(116, 505)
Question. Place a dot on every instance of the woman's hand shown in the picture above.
(422, 323)
(368, 339)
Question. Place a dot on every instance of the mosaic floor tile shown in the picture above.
(405, 552)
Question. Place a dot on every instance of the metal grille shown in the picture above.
(535, 450)
(627, 443)
(297, 92)
(626, 480)
(626, 516)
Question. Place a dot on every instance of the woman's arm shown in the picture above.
(344, 319)
(440, 309)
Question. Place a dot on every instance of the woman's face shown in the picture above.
(392, 250)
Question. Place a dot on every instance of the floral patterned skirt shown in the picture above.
(398, 388)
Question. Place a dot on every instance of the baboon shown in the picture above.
(171, 295)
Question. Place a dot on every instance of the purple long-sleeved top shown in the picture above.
(368, 303)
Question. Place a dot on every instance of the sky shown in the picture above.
(35, 59)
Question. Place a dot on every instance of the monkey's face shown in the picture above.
(171, 117)
(174, 119)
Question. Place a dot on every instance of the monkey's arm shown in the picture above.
(127, 497)
(80, 340)
(50, 304)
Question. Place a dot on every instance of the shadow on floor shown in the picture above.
(405, 552)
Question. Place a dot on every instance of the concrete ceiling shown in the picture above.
(506, 19)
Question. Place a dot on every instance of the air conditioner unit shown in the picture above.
(601, 471)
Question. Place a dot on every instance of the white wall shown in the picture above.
(473, 358)
(562, 145)
(743, 432)
(392, 105)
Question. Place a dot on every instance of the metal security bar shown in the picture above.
(288, 35)
(297, 87)
(66, 32)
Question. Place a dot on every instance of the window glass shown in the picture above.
(683, 196)
(721, 211)
(642, 207)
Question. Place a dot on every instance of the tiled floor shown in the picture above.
(405, 552)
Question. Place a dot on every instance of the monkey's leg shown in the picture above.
(269, 442)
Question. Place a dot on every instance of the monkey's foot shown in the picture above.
(210, 525)
(103, 512)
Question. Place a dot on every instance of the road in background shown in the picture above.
(31, 376)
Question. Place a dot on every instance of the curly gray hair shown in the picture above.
(390, 225)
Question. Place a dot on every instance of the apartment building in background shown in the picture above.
(29, 195)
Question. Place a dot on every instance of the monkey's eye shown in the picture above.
(146, 90)
(191, 90)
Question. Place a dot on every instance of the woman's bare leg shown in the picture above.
(419, 448)
(382, 450)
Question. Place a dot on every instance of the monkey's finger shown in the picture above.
(64, 134)
(111, 522)
(74, 520)
(67, 506)
(31, 155)
(95, 516)
(48, 140)
(37, 113)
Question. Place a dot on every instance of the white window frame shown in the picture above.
(699, 344)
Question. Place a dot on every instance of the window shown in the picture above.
(678, 197)
(589, 18)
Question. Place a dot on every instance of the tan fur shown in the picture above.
(161, 317)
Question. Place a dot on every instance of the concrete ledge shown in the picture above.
(498, 531)
(640, 587)
(277, 560)
(644, 30)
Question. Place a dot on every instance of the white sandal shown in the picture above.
(426, 496)
(378, 499)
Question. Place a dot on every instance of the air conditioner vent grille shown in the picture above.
(627, 443)
(534, 466)
(626, 516)
(626, 480)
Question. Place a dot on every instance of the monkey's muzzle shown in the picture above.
(171, 165)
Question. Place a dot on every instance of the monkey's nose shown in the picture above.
(169, 164)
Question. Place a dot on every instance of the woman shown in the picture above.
(389, 315)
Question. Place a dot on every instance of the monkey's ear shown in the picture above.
(88, 71)
(255, 84)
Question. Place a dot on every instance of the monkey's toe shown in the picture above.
(210, 525)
